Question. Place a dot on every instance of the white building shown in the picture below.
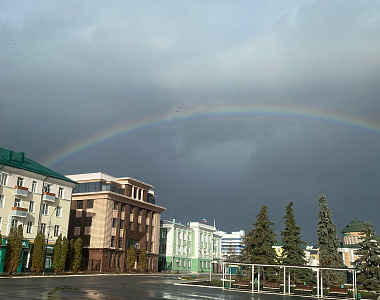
(232, 244)
(34, 197)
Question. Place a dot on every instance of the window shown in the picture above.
(88, 221)
(57, 230)
(164, 234)
(2, 200)
(139, 194)
(4, 178)
(43, 228)
(20, 181)
(146, 228)
(121, 224)
(140, 211)
(14, 223)
(34, 186)
(47, 187)
(79, 204)
(139, 227)
(17, 202)
(189, 263)
(90, 203)
(86, 240)
(1, 222)
(58, 212)
(120, 245)
(115, 205)
(29, 227)
(113, 241)
(163, 248)
(31, 206)
(45, 209)
(60, 192)
(134, 192)
(131, 210)
(122, 206)
(78, 222)
(114, 221)
(130, 225)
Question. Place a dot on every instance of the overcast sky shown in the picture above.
(71, 70)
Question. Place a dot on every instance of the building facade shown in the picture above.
(351, 237)
(232, 244)
(34, 197)
(110, 214)
(191, 248)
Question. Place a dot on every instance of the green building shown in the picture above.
(191, 248)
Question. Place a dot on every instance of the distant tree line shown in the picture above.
(261, 238)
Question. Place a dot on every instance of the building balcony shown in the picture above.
(21, 191)
(19, 212)
(48, 197)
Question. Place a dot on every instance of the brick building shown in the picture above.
(110, 214)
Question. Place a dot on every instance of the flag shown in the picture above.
(204, 221)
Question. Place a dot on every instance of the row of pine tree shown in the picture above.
(261, 237)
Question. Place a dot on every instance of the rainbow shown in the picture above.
(290, 111)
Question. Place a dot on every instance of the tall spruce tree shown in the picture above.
(78, 249)
(328, 244)
(369, 259)
(142, 260)
(38, 254)
(131, 257)
(57, 250)
(259, 241)
(14, 249)
(293, 252)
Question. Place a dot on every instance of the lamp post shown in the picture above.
(47, 240)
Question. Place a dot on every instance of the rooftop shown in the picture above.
(355, 226)
(19, 161)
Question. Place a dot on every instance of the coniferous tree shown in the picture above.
(57, 250)
(131, 257)
(142, 260)
(14, 249)
(38, 254)
(328, 244)
(64, 251)
(293, 253)
(259, 241)
(78, 248)
(71, 255)
(369, 259)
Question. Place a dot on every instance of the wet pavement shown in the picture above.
(117, 287)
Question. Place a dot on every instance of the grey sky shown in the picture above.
(72, 69)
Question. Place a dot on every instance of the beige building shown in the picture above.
(351, 237)
(35, 197)
(110, 214)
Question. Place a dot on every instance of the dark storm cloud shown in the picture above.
(72, 69)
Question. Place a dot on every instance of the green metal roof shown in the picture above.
(19, 161)
(355, 226)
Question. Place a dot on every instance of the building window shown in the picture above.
(135, 192)
(163, 248)
(14, 223)
(2, 200)
(20, 181)
(139, 194)
(58, 212)
(4, 178)
(114, 221)
(45, 209)
(122, 206)
(60, 192)
(139, 227)
(115, 205)
(88, 221)
(31, 206)
(43, 228)
(34, 186)
(131, 210)
(1, 222)
(164, 234)
(130, 225)
(29, 227)
(86, 240)
(121, 224)
(113, 241)
(140, 211)
(90, 203)
(79, 204)
(17, 202)
(47, 187)
(120, 242)
(78, 222)
(57, 230)
(146, 228)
